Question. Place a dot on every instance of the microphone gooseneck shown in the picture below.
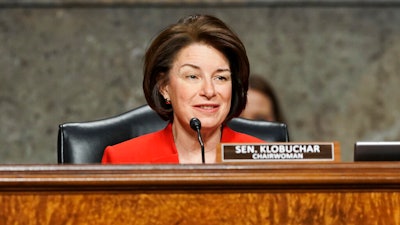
(195, 124)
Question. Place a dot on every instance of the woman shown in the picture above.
(195, 68)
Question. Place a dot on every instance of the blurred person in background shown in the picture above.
(262, 102)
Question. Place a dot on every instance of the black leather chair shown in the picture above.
(84, 142)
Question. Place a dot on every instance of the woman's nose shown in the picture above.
(208, 89)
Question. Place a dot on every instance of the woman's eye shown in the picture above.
(222, 78)
(191, 76)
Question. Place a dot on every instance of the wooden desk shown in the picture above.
(295, 193)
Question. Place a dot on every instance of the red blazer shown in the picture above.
(159, 147)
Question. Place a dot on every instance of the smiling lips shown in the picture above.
(208, 107)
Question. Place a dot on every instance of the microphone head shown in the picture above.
(195, 124)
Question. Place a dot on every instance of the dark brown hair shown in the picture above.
(194, 29)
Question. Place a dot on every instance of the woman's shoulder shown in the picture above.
(140, 149)
(144, 139)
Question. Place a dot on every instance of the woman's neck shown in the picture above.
(188, 146)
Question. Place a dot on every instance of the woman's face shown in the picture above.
(199, 86)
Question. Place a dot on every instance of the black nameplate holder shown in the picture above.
(279, 151)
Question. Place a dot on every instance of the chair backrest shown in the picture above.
(84, 142)
(265, 130)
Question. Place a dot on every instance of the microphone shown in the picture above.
(195, 124)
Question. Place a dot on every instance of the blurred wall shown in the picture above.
(335, 66)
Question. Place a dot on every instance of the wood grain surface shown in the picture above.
(333, 193)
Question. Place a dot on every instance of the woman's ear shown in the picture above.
(164, 91)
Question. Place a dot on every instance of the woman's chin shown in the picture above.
(210, 124)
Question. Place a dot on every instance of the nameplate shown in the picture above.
(277, 151)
